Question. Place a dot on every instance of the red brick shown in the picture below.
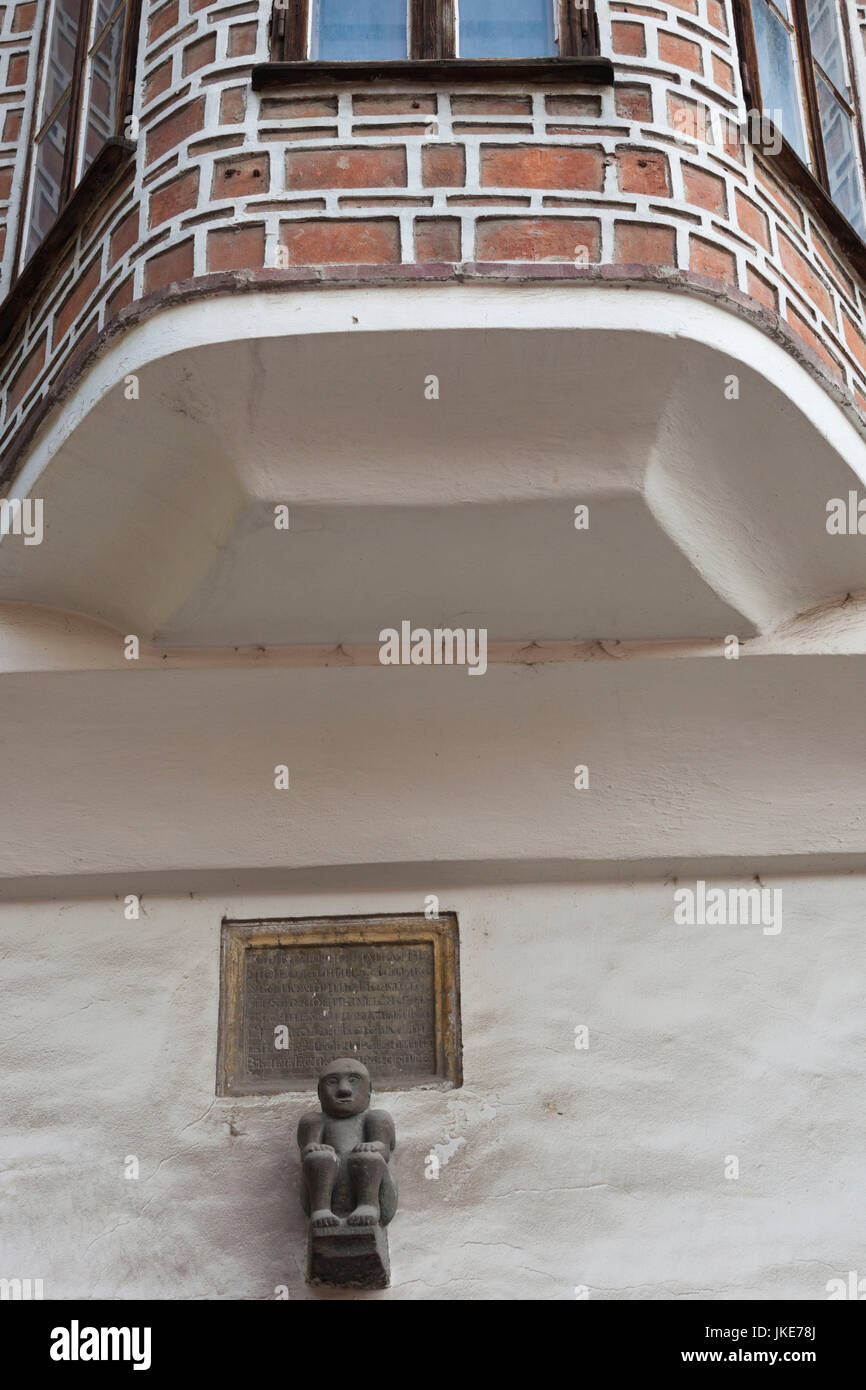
(723, 73)
(76, 299)
(775, 192)
(687, 117)
(681, 52)
(491, 106)
(491, 128)
(802, 273)
(805, 331)
(443, 166)
(161, 21)
(26, 375)
(403, 105)
(761, 289)
(16, 74)
(297, 108)
(85, 336)
(236, 248)
(168, 266)
(856, 342)
(233, 105)
(690, 6)
(5, 183)
(125, 236)
(199, 54)
(587, 105)
(350, 242)
(299, 133)
(119, 299)
(367, 128)
(219, 142)
(634, 103)
(106, 208)
(541, 166)
(437, 239)
(643, 171)
(242, 40)
(157, 82)
(752, 220)
(642, 243)
(23, 18)
(706, 258)
(628, 39)
(247, 173)
(837, 275)
(175, 197)
(180, 125)
(716, 15)
(346, 168)
(196, 5)
(537, 239)
(705, 190)
(12, 125)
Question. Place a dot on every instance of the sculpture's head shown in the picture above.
(344, 1087)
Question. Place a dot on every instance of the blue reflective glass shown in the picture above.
(352, 30)
(778, 82)
(506, 28)
(842, 167)
(827, 40)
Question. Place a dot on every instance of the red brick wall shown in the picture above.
(602, 180)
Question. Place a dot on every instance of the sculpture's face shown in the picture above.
(344, 1089)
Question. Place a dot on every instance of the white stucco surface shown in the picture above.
(560, 1167)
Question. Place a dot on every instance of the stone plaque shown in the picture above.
(297, 993)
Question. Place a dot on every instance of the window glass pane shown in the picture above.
(47, 178)
(842, 167)
(344, 30)
(778, 82)
(506, 29)
(103, 91)
(103, 10)
(827, 40)
(61, 52)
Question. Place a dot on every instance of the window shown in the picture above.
(385, 30)
(85, 95)
(797, 71)
(358, 29)
(506, 29)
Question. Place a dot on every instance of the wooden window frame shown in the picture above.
(807, 179)
(71, 180)
(432, 31)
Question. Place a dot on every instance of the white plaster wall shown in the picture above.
(560, 1167)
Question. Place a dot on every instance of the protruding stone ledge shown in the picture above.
(518, 71)
(414, 276)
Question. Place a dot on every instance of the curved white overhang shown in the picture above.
(707, 497)
(707, 518)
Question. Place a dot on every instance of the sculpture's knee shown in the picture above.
(320, 1158)
(367, 1163)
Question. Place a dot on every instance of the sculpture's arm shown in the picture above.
(379, 1133)
(310, 1129)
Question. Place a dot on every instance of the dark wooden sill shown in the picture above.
(788, 165)
(115, 153)
(598, 71)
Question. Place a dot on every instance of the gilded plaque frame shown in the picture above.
(239, 936)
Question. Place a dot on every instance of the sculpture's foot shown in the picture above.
(363, 1216)
(321, 1220)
